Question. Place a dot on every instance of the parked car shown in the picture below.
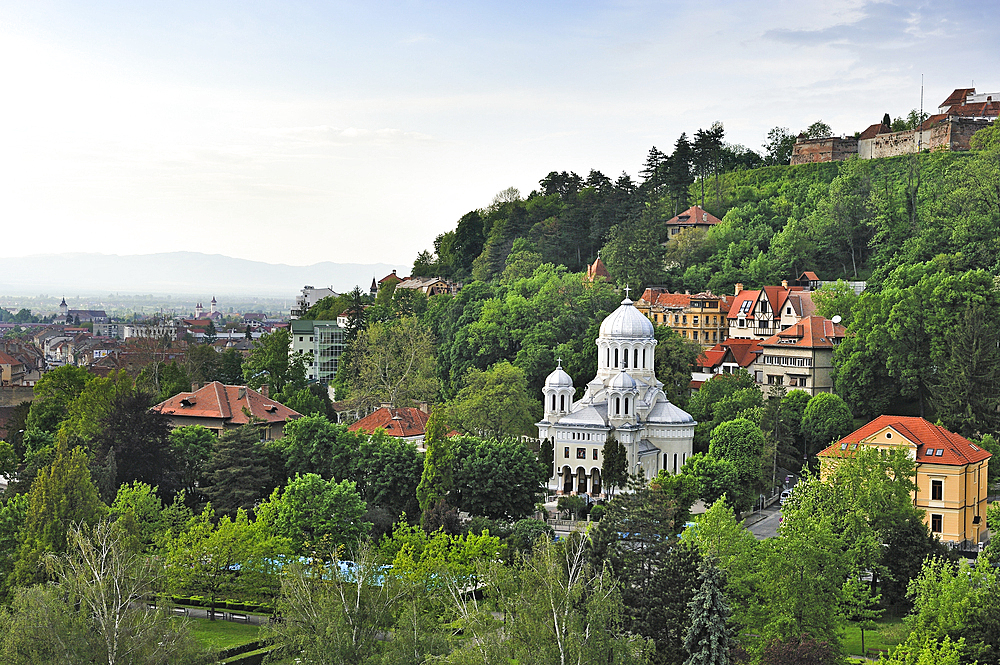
(784, 496)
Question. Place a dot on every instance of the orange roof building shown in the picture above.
(800, 357)
(407, 423)
(220, 407)
(694, 217)
(951, 471)
(596, 271)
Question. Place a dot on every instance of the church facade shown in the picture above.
(624, 400)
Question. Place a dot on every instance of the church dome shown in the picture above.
(558, 379)
(622, 381)
(627, 322)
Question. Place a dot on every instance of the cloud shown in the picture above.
(318, 135)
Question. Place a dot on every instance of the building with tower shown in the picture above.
(624, 400)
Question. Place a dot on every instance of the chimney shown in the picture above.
(784, 284)
(739, 288)
(265, 390)
(423, 406)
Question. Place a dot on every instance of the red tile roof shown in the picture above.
(597, 269)
(957, 97)
(694, 215)
(812, 332)
(976, 110)
(809, 275)
(928, 437)
(404, 422)
(7, 359)
(738, 300)
(711, 358)
(874, 130)
(743, 351)
(229, 403)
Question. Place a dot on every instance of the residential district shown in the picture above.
(725, 415)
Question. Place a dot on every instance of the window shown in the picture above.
(937, 523)
(684, 319)
(939, 453)
(616, 357)
(553, 402)
(937, 490)
(626, 406)
(677, 319)
(644, 363)
(625, 359)
(566, 452)
(562, 402)
(788, 311)
(595, 453)
(618, 405)
(635, 357)
(694, 335)
(694, 320)
(581, 453)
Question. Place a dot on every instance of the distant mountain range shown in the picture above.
(178, 273)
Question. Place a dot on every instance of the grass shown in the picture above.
(888, 634)
(218, 635)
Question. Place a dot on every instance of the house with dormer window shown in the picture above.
(800, 357)
(759, 314)
(951, 473)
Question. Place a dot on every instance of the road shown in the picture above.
(765, 524)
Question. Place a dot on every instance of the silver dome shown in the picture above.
(626, 322)
(559, 379)
(622, 381)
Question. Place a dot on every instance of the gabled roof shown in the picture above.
(957, 97)
(802, 303)
(976, 110)
(875, 130)
(740, 306)
(928, 438)
(695, 215)
(404, 422)
(229, 403)
(7, 359)
(711, 358)
(597, 269)
(667, 299)
(391, 277)
(740, 351)
(812, 332)
(809, 275)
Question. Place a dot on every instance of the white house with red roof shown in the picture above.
(759, 314)
(951, 471)
(800, 357)
(694, 217)
(220, 407)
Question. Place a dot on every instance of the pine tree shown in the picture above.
(615, 466)
(61, 495)
(239, 473)
(436, 479)
(708, 639)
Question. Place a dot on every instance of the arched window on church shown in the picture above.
(608, 362)
(553, 402)
(618, 405)
(616, 357)
(635, 357)
(626, 406)
(644, 358)
(562, 402)
(625, 359)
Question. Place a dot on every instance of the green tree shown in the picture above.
(137, 513)
(614, 466)
(674, 361)
(437, 476)
(315, 513)
(268, 361)
(708, 639)
(89, 409)
(134, 440)
(836, 299)
(53, 394)
(741, 443)
(778, 148)
(232, 558)
(861, 605)
(191, 448)
(389, 471)
(393, 363)
(239, 472)
(826, 419)
(714, 476)
(633, 254)
(495, 479)
(61, 495)
(494, 403)
(313, 444)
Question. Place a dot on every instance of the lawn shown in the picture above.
(888, 634)
(218, 635)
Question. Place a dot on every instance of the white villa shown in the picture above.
(624, 399)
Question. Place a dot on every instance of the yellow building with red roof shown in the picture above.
(951, 473)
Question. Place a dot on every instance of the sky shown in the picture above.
(297, 132)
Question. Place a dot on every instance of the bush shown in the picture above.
(574, 505)
(597, 512)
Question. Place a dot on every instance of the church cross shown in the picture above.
(627, 289)
(559, 360)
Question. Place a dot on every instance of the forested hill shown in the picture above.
(855, 220)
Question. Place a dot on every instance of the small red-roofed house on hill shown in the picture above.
(408, 423)
(694, 217)
(220, 407)
(597, 271)
(951, 471)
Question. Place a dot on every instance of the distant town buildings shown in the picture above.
(310, 296)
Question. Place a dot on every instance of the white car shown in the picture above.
(785, 496)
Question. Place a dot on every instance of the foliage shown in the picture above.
(741, 443)
(191, 448)
(268, 362)
(825, 419)
(312, 444)
(614, 465)
(674, 361)
(61, 495)
(87, 412)
(233, 558)
(801, 650)
(835, 299)
(137, 514)
(496, 479)
(436, 478)
(134, 439)
(708, 639)
(633, 254)
(239, 471)
(313, 513)
(392, 363)
(388, 473)
(494, 403)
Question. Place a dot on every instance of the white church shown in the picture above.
(624, 399)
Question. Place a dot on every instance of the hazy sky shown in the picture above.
(298, 132)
